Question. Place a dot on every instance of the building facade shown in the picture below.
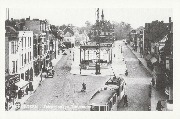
(25, 49)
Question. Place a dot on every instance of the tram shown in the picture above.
(108, 98)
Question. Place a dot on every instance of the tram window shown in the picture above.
(114, 99)
(94, 108)
(107, 108)
(102, 108)
(110, 105)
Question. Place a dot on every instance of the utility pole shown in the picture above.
(98, 45)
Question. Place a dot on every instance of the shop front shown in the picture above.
(11, 90)
(159, 78)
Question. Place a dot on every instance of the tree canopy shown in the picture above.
(156, 31)
(121, 30)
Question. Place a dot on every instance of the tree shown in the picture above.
(157, 30)
(121, 30)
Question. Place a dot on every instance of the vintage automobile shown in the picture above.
(49, 72)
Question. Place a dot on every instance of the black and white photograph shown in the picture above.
(88, 59)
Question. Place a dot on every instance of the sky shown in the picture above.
(78, 16)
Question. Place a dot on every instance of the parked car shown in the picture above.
(50, 73)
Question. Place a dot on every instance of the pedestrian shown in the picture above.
(26, 90)
(126, 73)
(84, 86)
(19, 94)
(153, 82)
(159, 106)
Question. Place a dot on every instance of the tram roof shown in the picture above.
(102, 97)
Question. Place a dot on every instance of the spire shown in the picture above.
(97, 13)
(102, 16)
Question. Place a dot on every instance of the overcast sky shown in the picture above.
(78, 16)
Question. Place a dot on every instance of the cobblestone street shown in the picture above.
(65, 89)
(137, 81)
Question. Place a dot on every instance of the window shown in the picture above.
(16, 66)
(110, 105)
(114, 99)
(25, 42)
(30, 56)
(25, 59)
(13, 63)
(94, 108)
(22, 42)
(12, 48)
(15, 47)
(22, 59)
(30, 41)
(102, 108)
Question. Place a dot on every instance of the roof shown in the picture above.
(10, 29)
(68, 29)
(102, 97)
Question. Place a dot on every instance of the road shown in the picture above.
(63, 91)
(138, 80)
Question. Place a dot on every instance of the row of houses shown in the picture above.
(30, 46)
(155, 43)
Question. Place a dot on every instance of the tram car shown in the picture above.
(119, 82)
(104, 100)
(108, 98)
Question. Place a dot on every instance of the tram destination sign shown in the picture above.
(102, 45)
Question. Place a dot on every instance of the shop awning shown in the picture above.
(22, 84)
(148, 57)
(153, 60)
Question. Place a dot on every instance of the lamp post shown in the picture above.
(121, 49)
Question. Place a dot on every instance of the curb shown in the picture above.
(140, 61)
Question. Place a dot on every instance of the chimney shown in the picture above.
(8, 13)
(170, 24)
(169, 19)
(29, 17)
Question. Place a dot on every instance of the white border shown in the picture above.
(175, 4)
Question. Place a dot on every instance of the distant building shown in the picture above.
(40, 29)
(69, 38)
(103, 31)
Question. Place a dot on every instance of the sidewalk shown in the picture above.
(155, 95)
(36, 81)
